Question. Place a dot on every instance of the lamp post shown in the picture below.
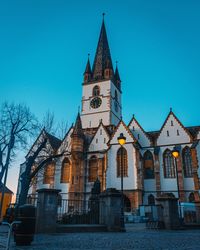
(175, 154)
(122, 140)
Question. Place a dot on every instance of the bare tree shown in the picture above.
(17, 125)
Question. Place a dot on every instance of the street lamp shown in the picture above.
(122, 140)
(175, 154)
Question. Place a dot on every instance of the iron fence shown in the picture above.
(78, 211)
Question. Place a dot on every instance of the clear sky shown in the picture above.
(44, 46)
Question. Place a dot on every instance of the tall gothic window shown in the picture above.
(148, 165)
(65, 171)
(122, 162)
(187, 162)
(96, 91)
(49, 171)
(169, 168)
(93, 169)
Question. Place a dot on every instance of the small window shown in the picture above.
(96, 140)
(172, 124)
(100, 131)
(72, 179)
(167, 133)
(138, 136)
(133, 128)
(90, 124)
(177, 132)
(96, 91)
(104, 140)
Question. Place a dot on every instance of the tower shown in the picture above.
(101, 98)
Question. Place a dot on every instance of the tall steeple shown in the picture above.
(117, 78)
(88, 72)
(102, 61)
(78, 131)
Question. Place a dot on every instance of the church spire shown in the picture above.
(88, 71)
(102, 61)
(78, 131)
(117, 77)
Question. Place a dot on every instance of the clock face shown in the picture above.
(96, 102)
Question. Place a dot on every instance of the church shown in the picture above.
(90, 150)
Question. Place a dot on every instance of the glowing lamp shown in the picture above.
(175, 153)
(121, 139)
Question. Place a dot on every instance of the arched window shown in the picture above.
(65, 171)
(148, 165)
(191, 197)
(187, 162)
(96, 91)
(122, 162)
(151, 200)
(49, 171)
(93, 169)
(169, 169)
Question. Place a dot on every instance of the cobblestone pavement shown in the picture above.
(136, 237)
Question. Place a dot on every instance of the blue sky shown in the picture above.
(44, 46)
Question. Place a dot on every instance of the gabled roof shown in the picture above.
(172, 113)
(194, 130)
(54, 141)
(6, 189)
(126, 128)
(135, 120)
(105, 129)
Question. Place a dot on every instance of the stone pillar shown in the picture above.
(195, 166)
(47, 206)
(180, 179)
(170, 211)
(110, 213)
(157, 171)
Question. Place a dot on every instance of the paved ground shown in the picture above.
(136, 237)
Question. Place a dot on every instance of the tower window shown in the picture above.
(172, 124)
(138, 136)
(90, 124)
(167, 133)
(104, 140)
(96, 140)
(100, 131)
(96, 91)
(177, 132)
(65, 171)
(133, 128)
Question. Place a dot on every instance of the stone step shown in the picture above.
(80, 228)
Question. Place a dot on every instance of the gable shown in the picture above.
(122, 128)
(173, 132)
(100, 140)
(66, 143)
(139, 133)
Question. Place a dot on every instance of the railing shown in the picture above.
(78, 211)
